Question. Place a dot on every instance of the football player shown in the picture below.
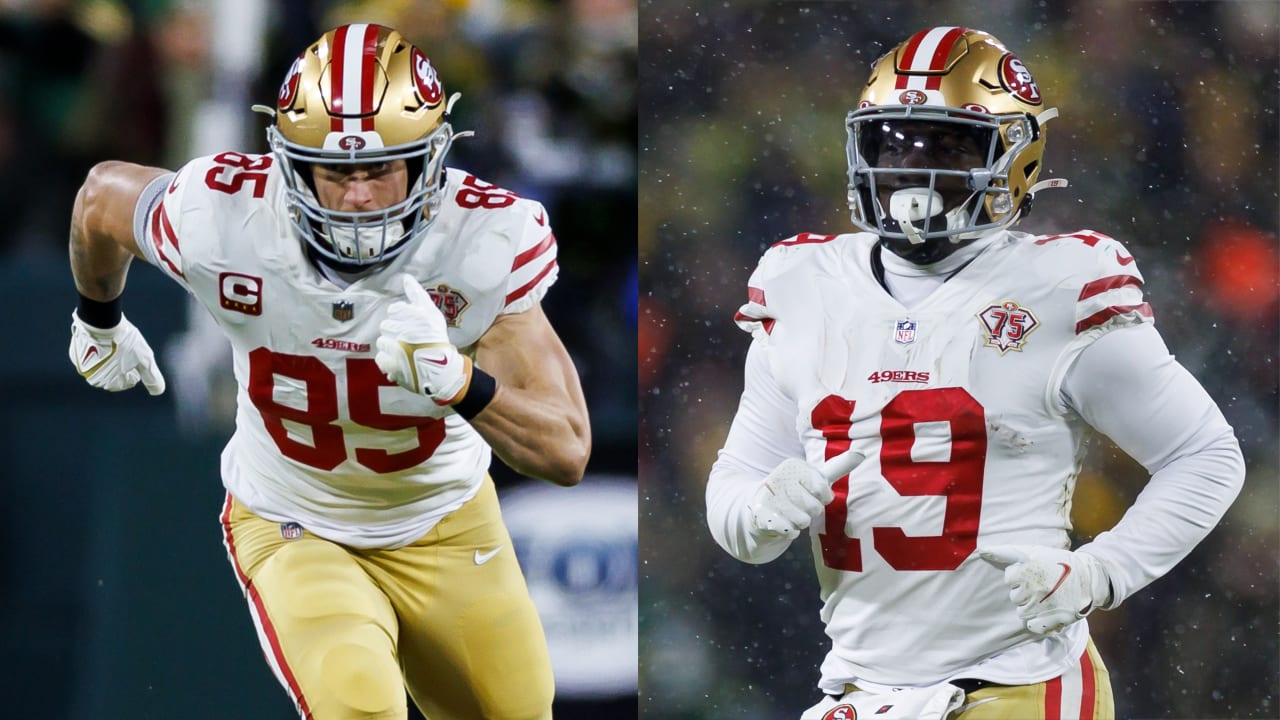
(384, 316)
(918, 396)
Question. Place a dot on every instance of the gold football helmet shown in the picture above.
(968, 82)
(362, 94)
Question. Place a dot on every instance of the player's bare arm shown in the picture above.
(106, 349)
(537, 421)
(102, 242)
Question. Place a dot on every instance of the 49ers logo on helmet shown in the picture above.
(1016, 78)
(913, 97)
(351, 142)
(424, 76)
(289, 88)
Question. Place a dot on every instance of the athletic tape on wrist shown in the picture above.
(98, 314)
(479, 394)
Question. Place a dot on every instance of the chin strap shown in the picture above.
(1047, 184)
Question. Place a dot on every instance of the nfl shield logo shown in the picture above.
(290, 530)
(344, 310)
(904, 333)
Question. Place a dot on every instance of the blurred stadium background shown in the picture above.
(1168, 135)
(116, 600)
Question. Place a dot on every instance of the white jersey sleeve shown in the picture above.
(534, 269)
(762, 436)
(1127, 386)
(156, 219)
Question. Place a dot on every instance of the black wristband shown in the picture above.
(98, 314)
(479, 394)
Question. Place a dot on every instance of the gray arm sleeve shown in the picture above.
(146, 202)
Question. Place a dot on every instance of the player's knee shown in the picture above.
(360, 679)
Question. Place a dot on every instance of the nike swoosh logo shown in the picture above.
(93, 350)
(434, 361)
(482, 558)
(1124, 260)
(1066, 570)
(542, 218)
(87, 371)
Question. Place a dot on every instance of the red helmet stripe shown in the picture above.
(927, 51)
(908, 57)
(939, 60)
(337, 57)
(351, 74)
(369, 62)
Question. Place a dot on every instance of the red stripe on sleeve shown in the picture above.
(336, 55)
(524, 289)
(1106, 314)
(1101, 285)
(1089, 240)
(755, 295)
(1086, 686)
(368, 63)
(806, 239)
(160, 223)
(1053, 699)
(532, 253)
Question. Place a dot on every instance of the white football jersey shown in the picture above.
(322, 437)
(955, 404)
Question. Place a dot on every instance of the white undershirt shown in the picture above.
(909, 283)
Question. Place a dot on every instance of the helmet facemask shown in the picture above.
(356, 240)
(917, 212)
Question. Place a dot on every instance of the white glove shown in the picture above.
(414, 349)
(789, 499)
(114, 359)
(1052, 588)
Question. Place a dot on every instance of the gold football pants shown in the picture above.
(346, 631)
(1082, 693)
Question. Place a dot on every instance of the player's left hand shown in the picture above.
(1051, 588)
(414, 349)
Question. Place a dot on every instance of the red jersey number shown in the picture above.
(234, 170)
(477, 193)
(958, 479)
(327, 448)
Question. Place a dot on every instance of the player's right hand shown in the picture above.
(114, 359)
(789, 499)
